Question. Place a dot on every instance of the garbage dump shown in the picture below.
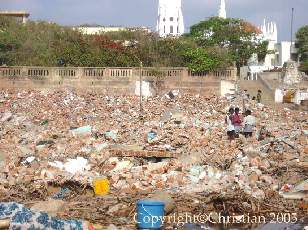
(99, 155)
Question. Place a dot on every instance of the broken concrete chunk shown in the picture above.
(166, 199)
(6, 116)
(82, 130)
(297, 192)
(52, 207)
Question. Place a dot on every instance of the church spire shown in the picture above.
(222, 9)
(170, 20)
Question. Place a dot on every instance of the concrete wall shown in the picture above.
(227, 87)
(114, 80)
(284, 52)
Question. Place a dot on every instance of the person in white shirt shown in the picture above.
(230, 126)
(249, 123)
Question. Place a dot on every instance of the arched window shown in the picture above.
(171, 29)
(171, 19)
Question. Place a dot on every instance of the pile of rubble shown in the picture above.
(54, 143)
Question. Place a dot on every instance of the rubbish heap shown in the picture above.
(54, 143)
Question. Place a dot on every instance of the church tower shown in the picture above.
(170, 20)
(270, 34)
(222, 13)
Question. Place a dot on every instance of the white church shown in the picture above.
(170, 22)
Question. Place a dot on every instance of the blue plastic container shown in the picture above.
(150, 214)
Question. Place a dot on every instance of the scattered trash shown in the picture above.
(6, 116)
(29, 160)
(52, 207)
(43, 143)
(23, 218)
(164, 197)
(101, 186)
(72, 166)
(297, 192)
(100, 147)
(186, 155)
(82, 130)
(44, 122)
(147, 209)
(61, 194)
(111, 135)
(151, 136)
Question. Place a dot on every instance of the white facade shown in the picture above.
(89, 30)
(93, 30)
(280, 50)
(227, 88)
(222, 13)
(170, 20)
(283, 49)
(270, 34)
(145, 90)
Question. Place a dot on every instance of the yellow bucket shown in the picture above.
(101, 186)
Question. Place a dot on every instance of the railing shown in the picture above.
(10, 72)
(93, 72)
(224, 73)
(198, 74)
(163, 72)
(120, 72)
(38, 72)
(66, 72)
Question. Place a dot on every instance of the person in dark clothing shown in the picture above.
(259, 96)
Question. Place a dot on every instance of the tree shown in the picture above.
(9, 43)
(302, 44)
(241, 39)
(213, 44)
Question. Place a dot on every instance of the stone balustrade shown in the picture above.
(86, 72)
(112, 78)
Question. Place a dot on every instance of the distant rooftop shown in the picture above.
(15, 13)
(109, 26)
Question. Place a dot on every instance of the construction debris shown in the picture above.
(176, 146)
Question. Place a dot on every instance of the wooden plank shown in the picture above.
(141, 153)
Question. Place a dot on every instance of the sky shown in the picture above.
(144, 12)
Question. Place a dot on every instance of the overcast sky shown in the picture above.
(144, 12)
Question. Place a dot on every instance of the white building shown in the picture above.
(280, 51)
(283, 53)
(270, 34)
(222, 13)
(93, 30)
(19, 14)
(170, 21)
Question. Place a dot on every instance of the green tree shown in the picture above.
(9, 43)
(213, 44)
(302, 44)
(238, 37)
